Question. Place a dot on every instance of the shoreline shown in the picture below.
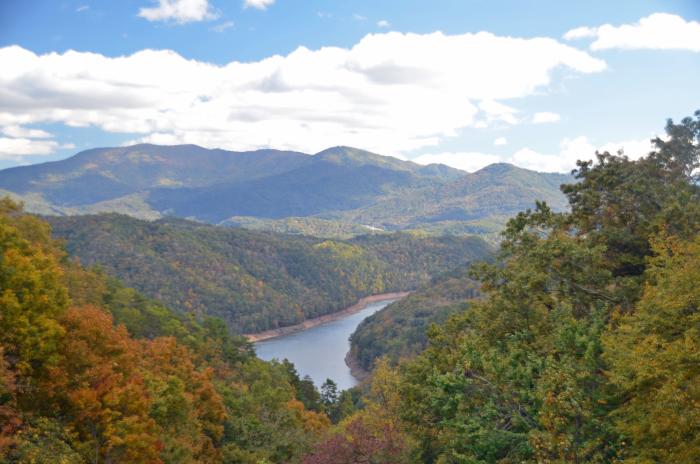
(355, 369)
(361, 304)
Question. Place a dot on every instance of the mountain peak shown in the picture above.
(498, 168)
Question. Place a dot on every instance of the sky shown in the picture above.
(536, 83)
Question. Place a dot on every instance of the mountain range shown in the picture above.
(339, 191)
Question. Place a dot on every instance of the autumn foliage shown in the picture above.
(152, 386)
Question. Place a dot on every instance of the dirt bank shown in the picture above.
(355, 369)
(359, 306)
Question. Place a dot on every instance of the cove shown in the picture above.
(319, 351)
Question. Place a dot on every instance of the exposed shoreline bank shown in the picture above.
(355, 369)
(359, 306)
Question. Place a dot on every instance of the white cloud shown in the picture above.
(659, 31)
(82, 8)
(359, 17)
(571, 150)
(545, 117)
(390, 93)
(564, 160)
(498, 112)
(634, 149)
(500, 141)
(23, 132)
(179, 11)
(223, 26)
(466, 161)
(383, 23)
(17, 148)
(582, 32)
(259, 4)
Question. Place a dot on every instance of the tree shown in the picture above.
(329, 397)
(10, 416)
(360, 441)
(99, 387)
(45, 441)
(521, 375)
(654, 356)
(31, 290)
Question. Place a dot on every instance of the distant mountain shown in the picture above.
(336, 179)
(104, 174)
(340, 190)
(497, 192)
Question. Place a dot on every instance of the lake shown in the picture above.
(320, 351)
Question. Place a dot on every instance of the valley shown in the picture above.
(424, 341)
(320, 350)
(293, 232)
(257, 280)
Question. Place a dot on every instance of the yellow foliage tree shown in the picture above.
(654, 356)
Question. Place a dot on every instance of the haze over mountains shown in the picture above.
(339, 189)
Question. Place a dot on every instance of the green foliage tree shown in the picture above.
(581, 349)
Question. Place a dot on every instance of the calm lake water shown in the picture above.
(320, 351)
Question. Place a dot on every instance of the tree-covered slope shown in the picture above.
(257, 280)
(400, 330)
(495, 192)
(104, 174)
(584, 345)
(92, 371)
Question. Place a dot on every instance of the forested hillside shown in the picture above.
(481, 202)
(582, 347)
(257, 280)
(401, 329)
(93, 372)
(585, 345)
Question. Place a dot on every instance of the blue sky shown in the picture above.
(536, 83)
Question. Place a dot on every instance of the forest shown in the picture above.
(257, 280)
(582, 346)
(401, 329)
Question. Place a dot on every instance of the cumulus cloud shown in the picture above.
(500, 141)
(466, 161)
(383, 23)
(545, 117)
(23, 141)
(179, 11)
(574, 149)
(23, 132)
(659, 31)
(259, 4)
(390, 93)
(564, 160)
(15, 149)
(582, 32)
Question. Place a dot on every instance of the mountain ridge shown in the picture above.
(337, 188)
